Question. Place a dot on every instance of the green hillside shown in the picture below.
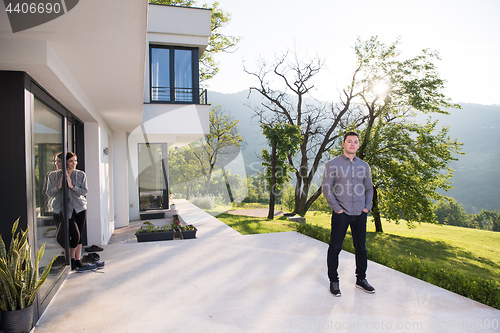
(476, 179)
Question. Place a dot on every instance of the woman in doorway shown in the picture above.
(77, 205)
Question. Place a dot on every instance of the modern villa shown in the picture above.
(117, 83)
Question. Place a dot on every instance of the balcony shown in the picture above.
(178, 95)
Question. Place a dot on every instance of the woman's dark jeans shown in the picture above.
(340, 222)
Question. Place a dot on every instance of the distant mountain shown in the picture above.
(236, 105)
(476, 180)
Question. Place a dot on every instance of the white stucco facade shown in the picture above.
(94, 60)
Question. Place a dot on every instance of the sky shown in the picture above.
(466, 33)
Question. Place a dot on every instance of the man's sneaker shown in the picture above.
(365, 286)
(86, 268)
(335, 289)
(100, 264)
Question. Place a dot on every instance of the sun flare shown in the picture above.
(381, 88)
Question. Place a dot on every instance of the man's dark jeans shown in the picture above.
(340, 222)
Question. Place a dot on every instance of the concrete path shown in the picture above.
(226, 282)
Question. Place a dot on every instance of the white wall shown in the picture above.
(133, 165)
(100, 225)
(120, 179)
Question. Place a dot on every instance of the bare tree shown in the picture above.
(286, 85)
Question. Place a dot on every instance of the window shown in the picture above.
(174, 74)
(153, 179)
(50, 229)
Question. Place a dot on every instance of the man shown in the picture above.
(348, 189)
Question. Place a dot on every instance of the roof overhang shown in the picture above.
(183, 26)
(91, 59)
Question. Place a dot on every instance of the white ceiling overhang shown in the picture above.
(91, 59)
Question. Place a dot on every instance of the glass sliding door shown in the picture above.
(153, 185)
(48, 144)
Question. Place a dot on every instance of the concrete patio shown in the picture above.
(227, 282)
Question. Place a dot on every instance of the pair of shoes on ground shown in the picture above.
(79, 266)
(91, 258)
(90, 267)
(94, 248)
(361, 284)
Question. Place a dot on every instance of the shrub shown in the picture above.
(288, 197)
(204, 201)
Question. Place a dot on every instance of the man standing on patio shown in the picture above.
(348, 189)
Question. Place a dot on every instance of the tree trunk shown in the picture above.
(209, 179)
(227, 186)
(272, 197)
(376, 212)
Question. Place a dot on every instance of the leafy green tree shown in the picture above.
(184, 172)
(219, 147)
(218, 41)
(320, 204)
(489, 220)
(452, 213)
(287, 197)
(257, 188)
(409, 163)
(409, 160)
(284, 140)
(495, 220)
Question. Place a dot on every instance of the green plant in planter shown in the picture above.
(19, 281)
(188, 227)
(148, 227)
(167, 227)
(176, 224)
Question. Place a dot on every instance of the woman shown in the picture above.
(77, 203)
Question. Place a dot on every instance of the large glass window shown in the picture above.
(174, 74)
(48, 143)
(153, 186)
(160, 74)
(183, 76)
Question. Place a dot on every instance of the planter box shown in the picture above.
(155, 236)
(188, 234)
(152, 216)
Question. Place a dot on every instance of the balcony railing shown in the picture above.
(178, 95)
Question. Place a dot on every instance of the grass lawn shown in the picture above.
(468, 251)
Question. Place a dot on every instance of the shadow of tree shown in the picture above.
(250, 225)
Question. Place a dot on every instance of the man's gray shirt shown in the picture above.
(348, 185)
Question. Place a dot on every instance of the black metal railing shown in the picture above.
(178, 95)
(203, 96)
